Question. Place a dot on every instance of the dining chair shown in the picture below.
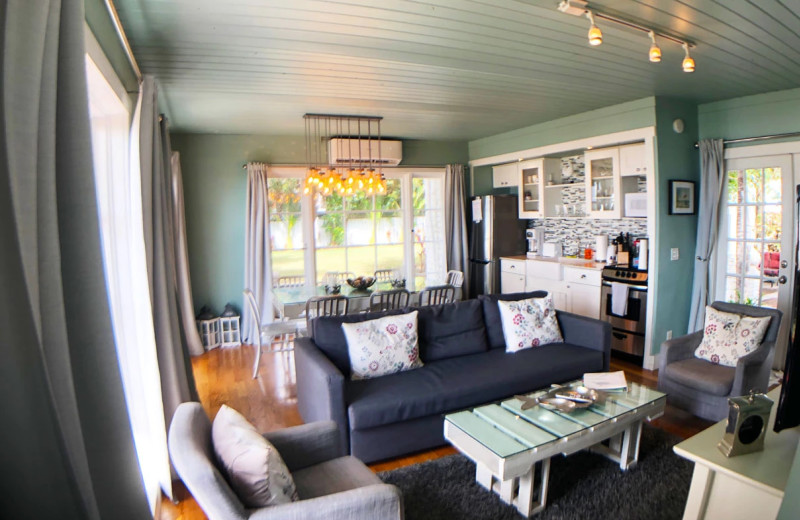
(276, 329)
(295, 280)
(316, 306)
(436, 295)
(388, 300)
(455, 278)
(384, 275)
(337, 277)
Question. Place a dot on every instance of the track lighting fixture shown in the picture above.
(579, 8)
(688, 61)
(655, 50)
(595, 35)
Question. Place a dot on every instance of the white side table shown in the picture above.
(745, 486)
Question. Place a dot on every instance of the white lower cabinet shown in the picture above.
(574, 289)
(584, 299)
(512, 283)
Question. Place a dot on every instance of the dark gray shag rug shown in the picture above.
(582, 486)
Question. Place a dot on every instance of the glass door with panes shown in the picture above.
(755, 253)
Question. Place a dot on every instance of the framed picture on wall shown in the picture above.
(681, 198)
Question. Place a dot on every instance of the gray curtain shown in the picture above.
(455, 222)
(712, 177)
(256, 248)
(177, 382)
(67, 448)
(193, 342)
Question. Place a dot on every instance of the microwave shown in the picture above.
(636, 204)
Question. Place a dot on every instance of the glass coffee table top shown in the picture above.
(506, 429)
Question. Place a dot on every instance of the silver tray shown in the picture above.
(564, 399)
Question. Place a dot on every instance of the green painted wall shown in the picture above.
(99, 22)
(215, 188)
(617, 118)
(750, 116)
(676, 159)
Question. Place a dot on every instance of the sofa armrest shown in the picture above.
(586, 332)
(320, 388)
(677, 349)
(308, 444)
(752, 370)
(382, 501)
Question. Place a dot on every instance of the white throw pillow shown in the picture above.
(529, 323)
(254, 468)
(728, 336)
(383, 346)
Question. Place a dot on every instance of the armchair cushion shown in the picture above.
(729, 336)
(254, 468)
(333, 476)
(701, 375)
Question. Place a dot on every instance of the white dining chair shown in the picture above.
(277, 329)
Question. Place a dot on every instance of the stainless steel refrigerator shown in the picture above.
(495, 230)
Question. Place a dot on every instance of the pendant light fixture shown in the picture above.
(595, 35)
(688, 61)
(655, 50)
(579, 8)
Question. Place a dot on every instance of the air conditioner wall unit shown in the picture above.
(342, 152)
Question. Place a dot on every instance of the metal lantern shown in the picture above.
(229, 329)
(208, 326)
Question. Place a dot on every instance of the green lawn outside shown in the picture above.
(290, 262)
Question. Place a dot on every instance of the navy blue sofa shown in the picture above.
(463, 349)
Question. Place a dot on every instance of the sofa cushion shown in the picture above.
(383, 346)
(702, 375)
(450, 384)
(453, 329)
(529, 323)
(491, 314)
(329, 336)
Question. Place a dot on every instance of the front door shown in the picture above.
(755, 257)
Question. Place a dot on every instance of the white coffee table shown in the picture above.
(507, 443)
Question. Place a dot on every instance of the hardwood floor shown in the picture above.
(223, 376)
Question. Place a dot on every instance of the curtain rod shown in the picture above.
(759, 138)
(123, 39)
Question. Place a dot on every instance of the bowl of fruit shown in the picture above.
(362, 283)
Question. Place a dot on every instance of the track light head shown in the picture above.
(655, 50)
(595, 35)
(688, 61)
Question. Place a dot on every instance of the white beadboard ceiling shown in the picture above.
(444, 69)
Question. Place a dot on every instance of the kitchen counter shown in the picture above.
(572, 262)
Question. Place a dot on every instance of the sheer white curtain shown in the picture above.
(120, 210)
(257, 249)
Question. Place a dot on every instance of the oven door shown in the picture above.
(634, 318)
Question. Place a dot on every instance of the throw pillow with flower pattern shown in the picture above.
(383, 346)
(529, 323)
(728, 336)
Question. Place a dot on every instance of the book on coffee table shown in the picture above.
(608, 381)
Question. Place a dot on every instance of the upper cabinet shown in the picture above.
(632, 160)
(603, 185)
(533, 175)
(505, 175)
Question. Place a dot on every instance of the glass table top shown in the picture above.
(506, 429)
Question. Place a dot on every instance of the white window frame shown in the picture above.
(405, 175)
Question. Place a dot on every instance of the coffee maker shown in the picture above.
(535, 238)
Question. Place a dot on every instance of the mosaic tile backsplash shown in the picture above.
(575, 234)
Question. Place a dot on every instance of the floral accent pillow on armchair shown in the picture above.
(383, 346)
(728, 336)
(529, 323)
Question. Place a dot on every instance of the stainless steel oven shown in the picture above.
(628, 330)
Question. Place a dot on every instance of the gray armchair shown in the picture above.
(703, 388)
(330, 486)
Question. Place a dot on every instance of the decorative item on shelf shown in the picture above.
(579, 8)
(333, 289)
(748, 417)
(362, 283)
(230, 334)
(208, 327)
(359, 174)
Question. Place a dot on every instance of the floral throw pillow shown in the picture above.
(529, 323)
(728, 336)
(383, 346)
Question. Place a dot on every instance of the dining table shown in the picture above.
(290, 302)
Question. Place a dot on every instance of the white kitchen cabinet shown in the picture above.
(583, 288)
(603, 184)
(512, 275)
(533, 175)
(505, 175)
(632, 160)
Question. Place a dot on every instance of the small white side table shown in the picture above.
(745, 486)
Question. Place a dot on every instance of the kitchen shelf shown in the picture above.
(604, 177)
(563, 185)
